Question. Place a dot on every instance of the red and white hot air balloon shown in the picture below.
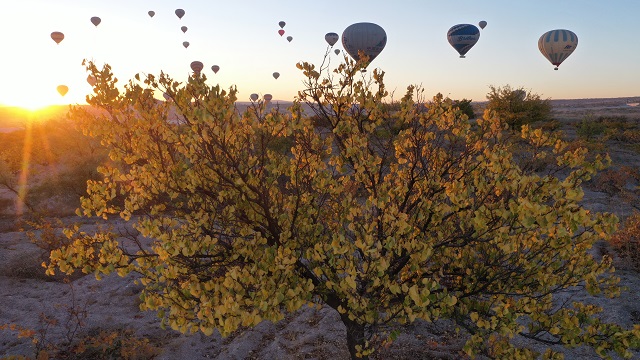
(281, 32)
(57, 36)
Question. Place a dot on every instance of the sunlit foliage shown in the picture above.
(386, 215)
(517, 107)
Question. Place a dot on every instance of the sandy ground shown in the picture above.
(112, 303)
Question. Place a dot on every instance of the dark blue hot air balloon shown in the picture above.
(462, 37)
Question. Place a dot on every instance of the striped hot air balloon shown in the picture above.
(462, 37)
(367, 37)
(557, 45)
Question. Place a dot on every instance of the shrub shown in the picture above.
(626, 241)
(517, 107)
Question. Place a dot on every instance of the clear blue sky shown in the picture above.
(241, 37)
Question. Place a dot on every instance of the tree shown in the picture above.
(517, 107)
(432, 221)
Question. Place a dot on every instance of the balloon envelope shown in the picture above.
(215, 69)
(482, 24)
(91, 80)
(184, 29)
(57, 36)
(337, 51)
(151, 13)
(557, 45)
(95, 20)
(462, 37)
(282, 24)
(253, 97)
(367, 37)
(62, 89)
(281, 32)
(179, 13)
(185, 44)
(197, 66)
(289, 38)
(331, 38)
(267, 97)
(276, 75)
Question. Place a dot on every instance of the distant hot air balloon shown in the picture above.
(520, 94)
(215, 69)
(184, 29)
(337, 51)
(332, 38)
(267, 97)
(281, 32)
(179, 13)
(289, 38)
(282, 24)
(462, 37)
(253, 97)
(91, 80)
(95, 21)
(367, 37)
(482, 24)
(57, 36)
(151, 13)
(557, 45)
(197, 66)
(62, 89)
(276, 75)
(185, 44)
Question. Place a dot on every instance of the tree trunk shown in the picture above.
(355, 336)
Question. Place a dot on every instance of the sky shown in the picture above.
(242, 38)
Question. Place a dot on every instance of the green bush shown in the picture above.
(517, 107)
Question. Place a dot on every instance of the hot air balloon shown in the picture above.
(281, 32)
(276, 75)
(197, 66)
(91, 80)
(151, 13)
(557, 45)
(289, 38)
(57, 36)
(482, 24)
(367, 37)
(462, 37)
(179, 13)
(95, 21)
(267, 97)
(520, 94)
(62, 89)
(337, 51)
(184, 29)
(282, 24)
(331, 38)
(185, 44)
(253, 97)
(215, 69)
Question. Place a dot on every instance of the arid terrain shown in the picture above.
(105, 313)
